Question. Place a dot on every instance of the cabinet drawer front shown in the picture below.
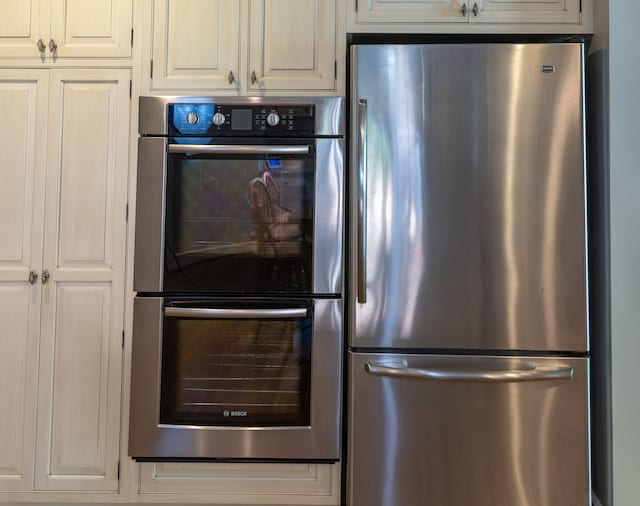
(517, 434)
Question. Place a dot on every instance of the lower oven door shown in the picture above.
(220, 379)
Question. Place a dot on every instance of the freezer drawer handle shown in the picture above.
(235, 314)
(230, 149)
(487, 376)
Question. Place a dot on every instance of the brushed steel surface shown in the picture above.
(329, 111)
(320, 440)
(475, 224)
(415, 442)
(150, 198)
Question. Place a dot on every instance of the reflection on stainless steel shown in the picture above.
(468, 334)
(468, 443)
(482, 244)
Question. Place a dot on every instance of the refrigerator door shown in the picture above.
(460, 431)
(468, 207)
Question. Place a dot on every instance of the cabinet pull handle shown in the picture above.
(45, 276)
(40, 45)
(33, 277)
(463, 10)
(254, 77)
(232, 78)
(53, 47)
(475, 9)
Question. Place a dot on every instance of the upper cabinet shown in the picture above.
(243, 46)
(486, 16)
(51, 29)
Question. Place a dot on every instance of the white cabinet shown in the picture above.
(470, 15)
(244, 46)
(286, 483)
(51, 29)
(65, 141)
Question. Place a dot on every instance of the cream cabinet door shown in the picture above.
(240, 483)
(23, 102)
(90, 29)
(78, 421)
(416, 11)
(196, 44)
(22, 23)
(292, 45)
(525, 11)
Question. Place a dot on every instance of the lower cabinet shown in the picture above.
(239, 483)
(65, 144)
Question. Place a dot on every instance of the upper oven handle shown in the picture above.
(239, 149)
(235, 314)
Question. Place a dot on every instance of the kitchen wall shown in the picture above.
(624, 78)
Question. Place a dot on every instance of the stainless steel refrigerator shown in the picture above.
(468, 322)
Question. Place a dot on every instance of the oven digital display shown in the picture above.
(241, 119)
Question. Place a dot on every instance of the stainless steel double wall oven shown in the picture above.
(237, 333)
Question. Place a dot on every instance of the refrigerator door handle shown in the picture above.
(399, 370)
(361, 163)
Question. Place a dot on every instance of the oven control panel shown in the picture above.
(241, 120)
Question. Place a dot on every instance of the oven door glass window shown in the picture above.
(239, 223)
(232, 370)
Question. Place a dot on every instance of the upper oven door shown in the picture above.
(239, 216)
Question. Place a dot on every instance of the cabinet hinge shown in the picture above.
(335, 69)
(132, 37)
(356, 5)
(118, 470)
(580, 5)
(123, 349)
(126, 212)
(151, 69)
(130, 88)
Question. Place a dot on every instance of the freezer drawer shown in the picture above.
(459, 431)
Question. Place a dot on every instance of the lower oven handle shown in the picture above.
(235, 314)
(487, 376)
(239, 149)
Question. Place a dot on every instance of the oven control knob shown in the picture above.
(192, 118)
(273, 119)
(218, 119)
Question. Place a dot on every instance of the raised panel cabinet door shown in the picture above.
(416, 11)
(525, 11)
(22, 23)
(196, 44)
(79, 399)
(23, 101)
(90, 29)
(292, 45)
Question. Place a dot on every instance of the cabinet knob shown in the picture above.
(254, 77)
(232, 78)
(33, 277)
(40, 45)
(53, 47)
(475, 9)
(463, 10)
(45, 277)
